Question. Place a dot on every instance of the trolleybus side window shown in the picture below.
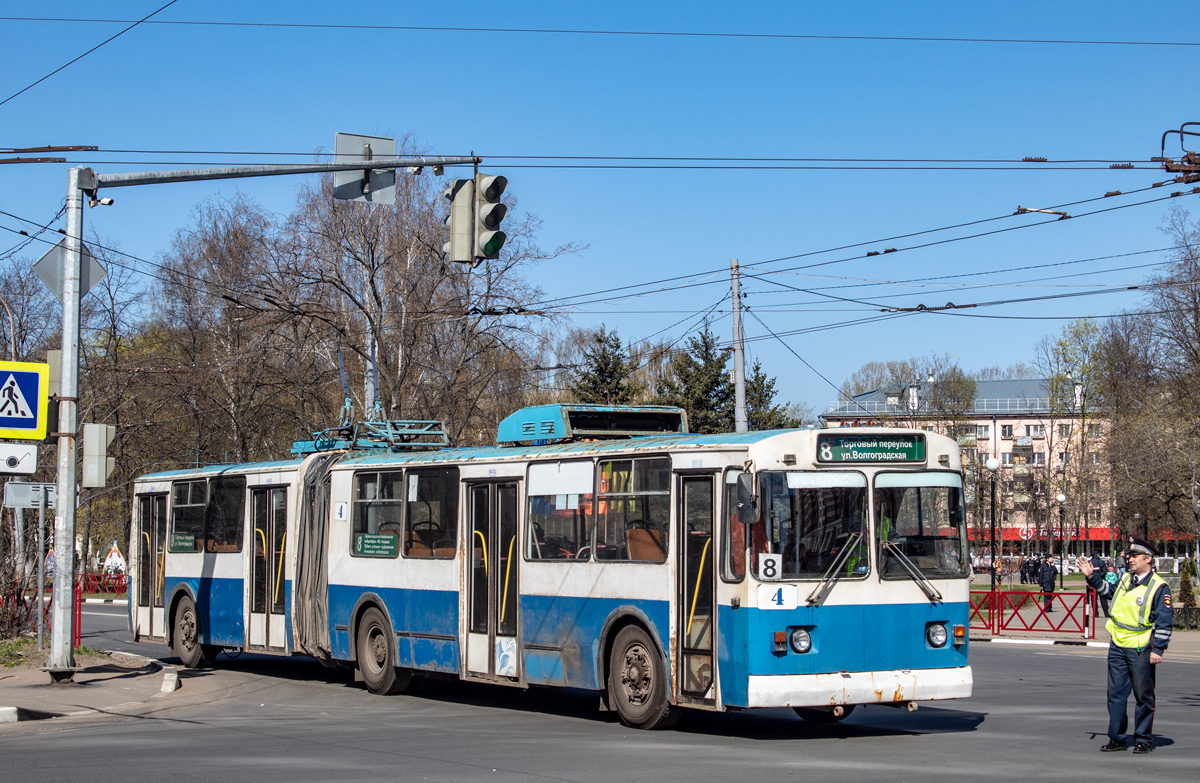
(188, 499)
(378, 505)
(733, 554)
(633, 509)
(920, 519)
(812, 518)
(225, 517)
(432, 513)
(560, 502)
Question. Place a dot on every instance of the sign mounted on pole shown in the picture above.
(19, 494)
(24, 396)
(374, 186)
(49, 269)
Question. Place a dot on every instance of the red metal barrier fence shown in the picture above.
(1028, 612)
(103, 583)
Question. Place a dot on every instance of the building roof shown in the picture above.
(1009, 396)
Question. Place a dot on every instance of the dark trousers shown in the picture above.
(1049, 596)
(1130, 668)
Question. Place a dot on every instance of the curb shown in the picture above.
(1066, 642)
(109, 601)
(170, 684)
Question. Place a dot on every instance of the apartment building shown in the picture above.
(1044, 451)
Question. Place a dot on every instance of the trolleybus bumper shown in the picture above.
(882, 687)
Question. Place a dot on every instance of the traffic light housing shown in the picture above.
(461, 219)
(97, 465)
(489, 213)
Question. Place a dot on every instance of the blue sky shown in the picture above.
(505, 95)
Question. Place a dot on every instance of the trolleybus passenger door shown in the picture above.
(151, 554)
(268, 541)
(492, 581)
(697, 609)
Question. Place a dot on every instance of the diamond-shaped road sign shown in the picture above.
(50, 269)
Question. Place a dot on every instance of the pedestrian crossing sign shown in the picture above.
(24, 398)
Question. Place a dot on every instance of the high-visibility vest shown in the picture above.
(1129, 611)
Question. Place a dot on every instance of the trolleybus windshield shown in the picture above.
(809, 518)
(919, 518)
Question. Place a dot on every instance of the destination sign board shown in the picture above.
(869, 447)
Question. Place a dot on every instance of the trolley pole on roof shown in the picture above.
(367, 186)
(740, 420)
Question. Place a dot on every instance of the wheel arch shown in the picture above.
(620, 618)
(182, 590)
(368, 600)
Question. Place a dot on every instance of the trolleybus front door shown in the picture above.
(268, 541)
(492, 581)
(697, 611)
(151, 552)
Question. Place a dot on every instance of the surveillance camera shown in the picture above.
(106, 202)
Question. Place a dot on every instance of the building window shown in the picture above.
(1035, 430)
(1093, 430)
(1064, 430)
(1039, 458)
(1020, 458)
(1006, 458)
(981, 456)
(1064, 458)
(983, 430)
(1006, 431)
(1095, 455)
(1094, 487)
(1095, 517)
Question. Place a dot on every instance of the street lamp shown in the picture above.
(1062, 546)
(993, 465)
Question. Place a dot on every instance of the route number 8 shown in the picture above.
(770, 567)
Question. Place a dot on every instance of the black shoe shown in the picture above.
(1114, 745)
(1143, 747)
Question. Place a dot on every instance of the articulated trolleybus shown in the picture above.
(595, 547)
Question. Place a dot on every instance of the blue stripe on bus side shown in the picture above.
(850, 638)
(416, 615)
(573, 625)
(219, 607)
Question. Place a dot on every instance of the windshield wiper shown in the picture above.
(833, 573)
(913, 572)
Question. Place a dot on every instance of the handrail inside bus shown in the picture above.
(507, 573)
(279, 570)
(699, 579)
(831, 573)
(483, 543)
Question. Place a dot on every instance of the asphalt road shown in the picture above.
(1037, 714)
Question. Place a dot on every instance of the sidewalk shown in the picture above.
(103, 685)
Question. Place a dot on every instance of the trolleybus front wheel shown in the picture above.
(377, 656)
(637, 685)
(191, 652)
(824, 715)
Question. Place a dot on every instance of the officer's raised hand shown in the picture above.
(1085, 566)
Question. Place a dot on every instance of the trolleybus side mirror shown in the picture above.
(747, 511)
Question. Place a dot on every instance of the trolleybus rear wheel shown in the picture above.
(637, 686)
(377, 656)
(191, 652)
(822, 715)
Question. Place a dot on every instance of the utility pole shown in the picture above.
(61, 665)
(740, 420)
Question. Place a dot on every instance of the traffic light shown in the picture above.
(488, 214)
(461, 195)
(97, 465)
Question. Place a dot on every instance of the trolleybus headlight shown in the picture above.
(936, 634)
(801, 640)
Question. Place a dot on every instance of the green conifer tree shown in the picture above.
(605, 378)
(761, 411)
(699, 383)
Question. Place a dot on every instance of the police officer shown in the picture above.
(1045, 576)
(1139, 624)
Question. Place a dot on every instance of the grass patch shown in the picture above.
(13, 651)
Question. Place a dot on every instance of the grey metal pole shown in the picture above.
(237, 172)
(41, 573)
(61, 665)
(740, 420)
